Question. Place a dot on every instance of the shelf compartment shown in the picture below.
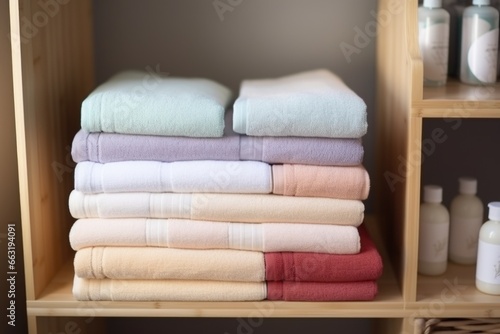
(454, 294)
(57, 300)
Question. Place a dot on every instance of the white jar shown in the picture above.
(433, 233)
(488, 255)
(466, 218)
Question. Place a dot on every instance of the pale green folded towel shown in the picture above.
(137, 102)
(308, 104)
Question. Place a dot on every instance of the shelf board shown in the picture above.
(454, 294)
(459, 100)
(57, 300)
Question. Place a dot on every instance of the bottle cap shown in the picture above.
(433, 3)
(433, 194)
(481, 2)
(467, 185)
(494, 213)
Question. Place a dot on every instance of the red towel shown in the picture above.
(315, 291)
(319, 267)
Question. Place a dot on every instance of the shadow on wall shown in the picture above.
(237, 326)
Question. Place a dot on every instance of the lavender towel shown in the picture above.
(107, 147)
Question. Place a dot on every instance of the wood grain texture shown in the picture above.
(51, 78)
(53, 72)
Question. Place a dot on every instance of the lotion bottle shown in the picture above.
(488, 255)
(434, 30)
(433, 233)
(466, 218)
(479, 49)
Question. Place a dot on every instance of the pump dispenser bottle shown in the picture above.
(479, 50)
(434, 30)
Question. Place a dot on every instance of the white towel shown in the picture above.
(167, 290)
(308, 104)
(245, 208)
(169, 263)
(191, 234)
(180, 177)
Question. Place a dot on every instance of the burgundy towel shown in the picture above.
(315, 291)
(112, 147)
(320, 267)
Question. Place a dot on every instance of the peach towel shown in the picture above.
(166, 290)
(321, 181)
(169, 263)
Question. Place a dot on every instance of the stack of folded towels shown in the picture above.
(172, 205)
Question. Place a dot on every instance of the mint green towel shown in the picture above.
(308, 104)
(136, 102)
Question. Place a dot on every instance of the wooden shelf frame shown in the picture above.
(54, 72)
(403, 106)
(52, 75)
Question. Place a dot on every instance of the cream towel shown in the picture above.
(169, 263)
(181, 176)
(321, 181)
(179, 233)
(166, 290)
(249, 208)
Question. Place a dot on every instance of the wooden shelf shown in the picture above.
(456, 99)
(57, 300)
(454, 294)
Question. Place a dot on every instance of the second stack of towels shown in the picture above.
(174, 206)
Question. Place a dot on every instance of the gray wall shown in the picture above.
(257, 39)
(470, 148)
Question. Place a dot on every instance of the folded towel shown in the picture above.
(315, 267)
(128, 103)
(169, 263)
(245, 208)
(192, 234)
(106, 147)
(315, 291)
(166, 290)
(182, 176)
(321, 181)
(308, 104)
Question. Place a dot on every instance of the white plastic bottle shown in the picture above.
(433, 233)
(479, 50)
(488, 255)
(466, 218)
(434, 30)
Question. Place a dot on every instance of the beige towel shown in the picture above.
(184, 233)
(321, 181)
(250, 208)
(166, 290)
(169, 263)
